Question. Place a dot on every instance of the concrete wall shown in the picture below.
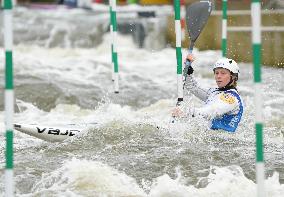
(239, 43)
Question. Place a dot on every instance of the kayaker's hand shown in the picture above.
(177, 112)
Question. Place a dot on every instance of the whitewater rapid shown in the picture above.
(134, 150)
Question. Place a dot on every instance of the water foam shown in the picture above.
(88, 178)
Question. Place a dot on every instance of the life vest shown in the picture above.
(229, 122)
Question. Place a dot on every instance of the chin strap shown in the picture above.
(228, 86)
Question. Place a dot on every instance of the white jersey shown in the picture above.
(223, 106)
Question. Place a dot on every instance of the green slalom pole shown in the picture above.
(256, 42)
(178, 50)
(111, 36)
(9, 97)
(113, 30)
(224, 27)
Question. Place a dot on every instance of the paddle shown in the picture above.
(197, 15)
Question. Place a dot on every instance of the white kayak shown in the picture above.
(50, 133)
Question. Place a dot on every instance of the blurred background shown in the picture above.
(151, 25)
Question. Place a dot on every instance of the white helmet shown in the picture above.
(229, 64)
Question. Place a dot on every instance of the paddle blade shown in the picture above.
(197, 15)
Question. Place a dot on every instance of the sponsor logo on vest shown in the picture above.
(227, 98)
(233, 121)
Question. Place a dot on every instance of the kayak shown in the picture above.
(51, 133)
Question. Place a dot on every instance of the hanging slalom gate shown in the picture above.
(9, 97)
(9, 86)
(256, 47)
